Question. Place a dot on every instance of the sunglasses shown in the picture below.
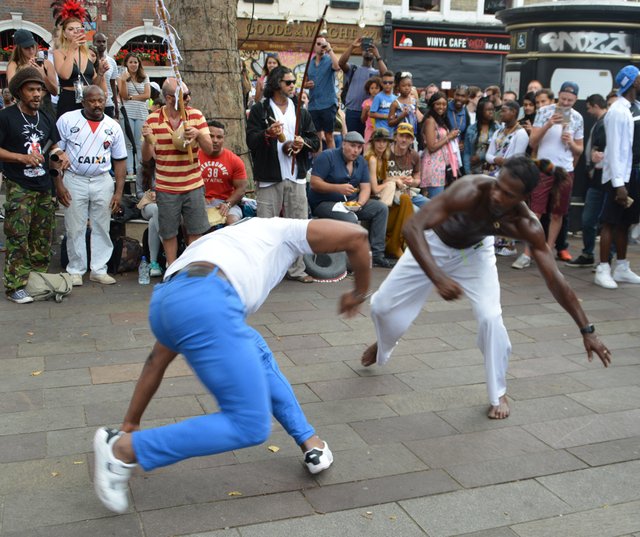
(387, 82)
(289, 82)
(406, 74)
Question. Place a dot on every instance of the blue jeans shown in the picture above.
(203, 318)
(419, 200)
(593, 200)
(136, 129)
(354, 120)
(433, 191)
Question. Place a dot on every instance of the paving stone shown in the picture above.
(471, 419)
(346, 411)
(399, 364)
(214, 484)
(420, 346)
(437, 399)
(375, 461)
(607, 485)
(301, 315)
(44, 379)
(295, 305)
(379, 521)
(109, 374)
(365, 336)
(572, 432)
(304, 394)
(36, 508)
(224, 514)
(316, 326)
(42, 475)
(217, 533)
(159, 407)
(420, 330)
(543, 349)
(610, 399)
(358, 387)
(326, 354)
(379, 490)
(534, 367)
(457, 358)
(484, 508)
(543, 386)
(318, 372)
(609, 378)
(22, 447)
(8, 351)
(402, 428)
(56, 347)
(482, 446)
(20, 401)
(20, 366)
(95, 358)
(493, 532)
(114, 526)
(609, 452)
(427, 379)
(287, 343)
(177, 386)
(85, 395)
(505, 469)
(41, 420)
(609, 521)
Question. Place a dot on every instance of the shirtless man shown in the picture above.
(451, 247)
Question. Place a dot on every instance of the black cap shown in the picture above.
(23, 38)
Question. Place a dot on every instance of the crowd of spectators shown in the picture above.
(374, 152)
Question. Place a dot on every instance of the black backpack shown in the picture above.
(346, 81)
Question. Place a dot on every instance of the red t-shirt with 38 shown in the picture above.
(218, 173)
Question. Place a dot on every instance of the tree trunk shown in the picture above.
(211, 64)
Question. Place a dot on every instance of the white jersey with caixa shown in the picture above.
(90, 145)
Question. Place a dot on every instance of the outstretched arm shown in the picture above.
(327, 236)
(533, 233)
(148, 382)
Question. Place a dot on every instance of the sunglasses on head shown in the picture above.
(289, 82)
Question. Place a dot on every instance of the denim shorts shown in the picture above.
(186, 206)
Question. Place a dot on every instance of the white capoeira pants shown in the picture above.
(404, 292)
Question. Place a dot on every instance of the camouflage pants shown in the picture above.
(28, 227)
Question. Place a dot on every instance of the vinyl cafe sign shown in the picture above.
(451, 41)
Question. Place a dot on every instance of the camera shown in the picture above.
(53, 157)
(366, 43)
(53, 172)
(40, 58)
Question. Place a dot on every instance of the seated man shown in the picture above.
(342, 175)
(224, 176)
(404, 163)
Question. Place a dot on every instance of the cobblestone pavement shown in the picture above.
(414, 452)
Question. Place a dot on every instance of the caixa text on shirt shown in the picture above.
(92, 160)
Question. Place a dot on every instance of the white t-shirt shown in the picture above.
(551, 146)
(111, 74)
(253, 255)
(90, 146)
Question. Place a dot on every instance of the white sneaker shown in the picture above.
(317, 459)
(603, 277)
(104, 279)
(506, 252)
(111, 476)
(623, 274)
(523, 262)
(76, 280)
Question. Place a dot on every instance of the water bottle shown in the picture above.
(144, 277)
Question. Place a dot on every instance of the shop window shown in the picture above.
(150, 49)
(491, 7)
(424, 5)
(345, 4)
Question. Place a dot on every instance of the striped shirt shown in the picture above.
(174, 173)
(90, 145)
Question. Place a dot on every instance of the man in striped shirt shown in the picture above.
(92, 141)
(179, 184)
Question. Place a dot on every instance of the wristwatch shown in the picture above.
(378, 58)
(589, 329)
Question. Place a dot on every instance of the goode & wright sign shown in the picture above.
(451, 41)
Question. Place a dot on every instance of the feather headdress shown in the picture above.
(65, 9)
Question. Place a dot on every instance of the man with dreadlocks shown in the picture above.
(451, 248)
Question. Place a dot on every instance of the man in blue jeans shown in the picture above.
(200, 312)
(340, 189)
(594, 196)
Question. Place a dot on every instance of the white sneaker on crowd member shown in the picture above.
(76, 280)
(603, 277)
(104, 279)
(111, 476)
(623, 274)
(506, 252)
(523, 262)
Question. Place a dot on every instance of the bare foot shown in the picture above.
(369, 356)
(501, 411)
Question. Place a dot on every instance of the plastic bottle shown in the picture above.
(144, 278)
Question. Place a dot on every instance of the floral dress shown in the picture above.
(433, 165)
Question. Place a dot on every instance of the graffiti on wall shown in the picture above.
(617, 43)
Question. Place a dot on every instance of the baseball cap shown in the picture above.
(354, 137)
(23, 38)
(381, 134)
(405, 128)
(570, 87)
(626, 77)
